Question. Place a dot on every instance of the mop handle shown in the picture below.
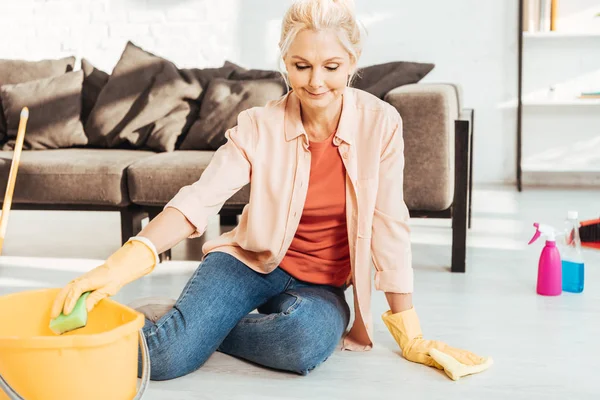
(12, 176)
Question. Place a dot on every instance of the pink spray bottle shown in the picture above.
(549, 279)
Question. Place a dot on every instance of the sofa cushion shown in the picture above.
(54, 112)
(242, 74)
(93, 83)
(153, 181)
(230, 71)
(205, 75)
(381, 78)
(71, 176)
(223, 101)
(19, 71)
(146, 103)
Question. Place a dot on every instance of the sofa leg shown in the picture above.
(131, 222)
(152, 213)
(460, 206)
(470, 150)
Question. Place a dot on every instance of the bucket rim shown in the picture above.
(79, 341)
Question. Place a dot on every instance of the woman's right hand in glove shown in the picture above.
(134, 259)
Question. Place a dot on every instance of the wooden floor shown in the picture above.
(543, 347)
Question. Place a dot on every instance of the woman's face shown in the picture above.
(318, 67)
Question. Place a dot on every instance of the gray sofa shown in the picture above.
(138, 183)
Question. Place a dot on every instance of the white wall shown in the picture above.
(189, 32)
(472, 42)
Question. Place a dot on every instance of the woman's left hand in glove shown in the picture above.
(406, 330)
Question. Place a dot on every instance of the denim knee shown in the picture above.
(309, 347)
(305, 355)
(304, 367)
(166, 364)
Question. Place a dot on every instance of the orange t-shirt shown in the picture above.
(319, 251)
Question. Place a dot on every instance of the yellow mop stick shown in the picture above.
(12, 176)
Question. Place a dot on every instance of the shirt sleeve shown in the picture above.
(390, 236)
(228, 171)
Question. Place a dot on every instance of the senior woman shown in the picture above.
(325, 163)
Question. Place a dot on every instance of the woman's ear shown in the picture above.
(351, 73)
(352, 70)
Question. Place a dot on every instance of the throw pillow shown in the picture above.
(54, 112)
(223, 101)
(19, 71)
(380, 79)
(146, 103)
(230, 71)
(242, 74)
(93, 83)
(205, 75)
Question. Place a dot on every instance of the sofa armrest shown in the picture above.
(428, 112)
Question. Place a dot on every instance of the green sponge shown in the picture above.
(76, 319)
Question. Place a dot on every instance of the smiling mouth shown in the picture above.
(315, 94)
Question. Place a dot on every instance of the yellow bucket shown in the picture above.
(99, 361)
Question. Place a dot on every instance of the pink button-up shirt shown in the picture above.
(269, 149)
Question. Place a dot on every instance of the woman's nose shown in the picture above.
(316, 80)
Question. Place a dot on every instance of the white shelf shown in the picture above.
(558, 34)
(561, 165)
(537, 101)
(552, 177)
(560, 102)
(560, 173)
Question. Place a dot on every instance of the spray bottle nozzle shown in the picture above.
(537, 233)
(546, 230)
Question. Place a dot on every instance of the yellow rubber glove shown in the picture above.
(406, 330)
(133, 260)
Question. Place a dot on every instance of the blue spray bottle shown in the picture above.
(572, 258)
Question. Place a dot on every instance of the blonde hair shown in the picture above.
(318, 15)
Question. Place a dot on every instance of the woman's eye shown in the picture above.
(301, 67)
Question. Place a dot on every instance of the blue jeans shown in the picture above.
(298, 324)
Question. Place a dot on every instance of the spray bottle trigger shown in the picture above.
(537, 233)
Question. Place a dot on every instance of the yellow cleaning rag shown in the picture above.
(456, 370)
(406, 330)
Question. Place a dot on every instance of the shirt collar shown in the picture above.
(346, 127)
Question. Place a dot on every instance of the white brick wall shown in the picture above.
(472, 43)
(194, 33)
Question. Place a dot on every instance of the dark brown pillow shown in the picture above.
(93, 83)
(242, 74)
(146, 103)
(205, 75)
(381, 78)
(54, 112)
(19, 71)
(230, 71)
(223, 101)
